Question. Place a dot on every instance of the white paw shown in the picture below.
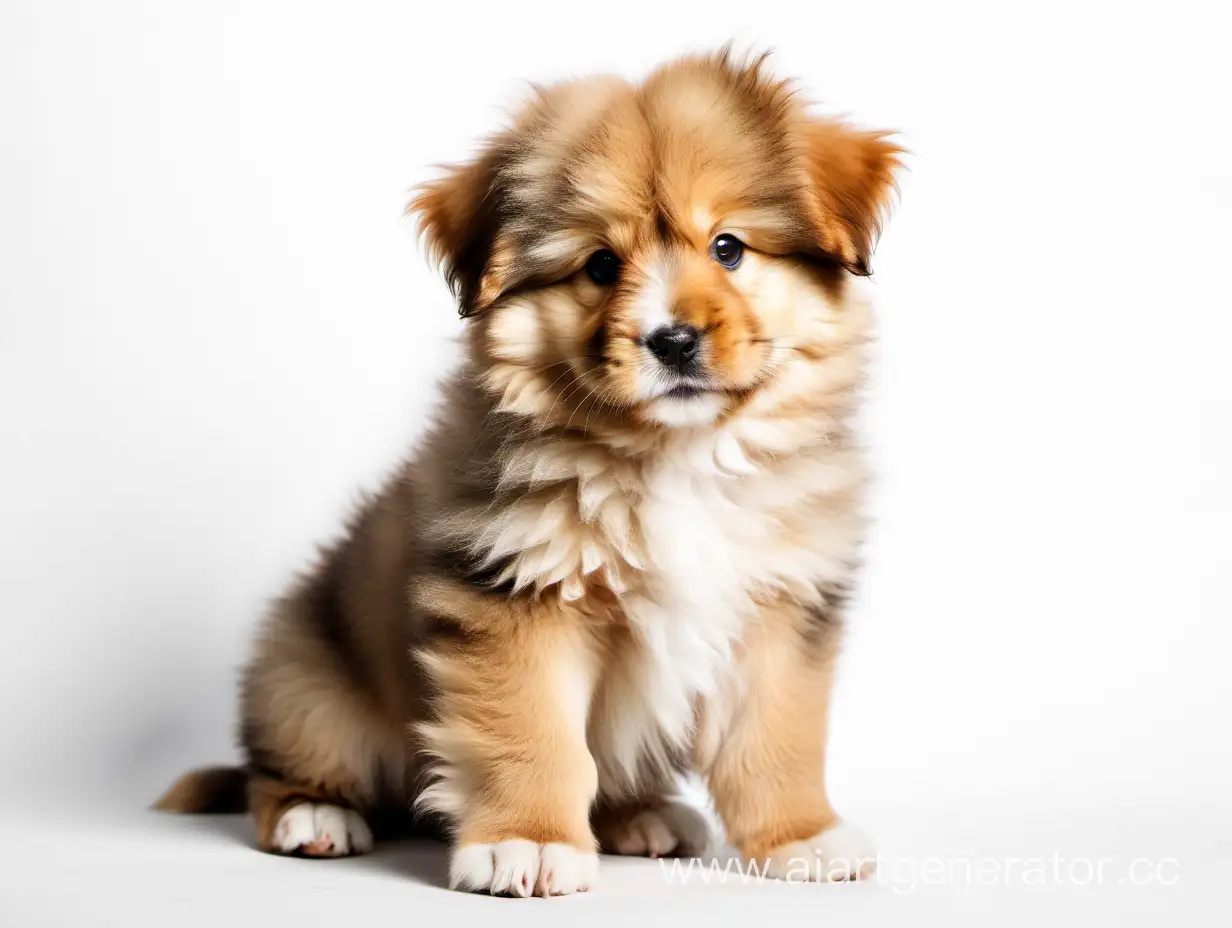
(659, 832)
(841, 853)
(522, 868)
(320, 830)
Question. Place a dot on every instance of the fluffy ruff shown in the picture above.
(611, 559)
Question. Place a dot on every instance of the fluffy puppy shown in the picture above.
(622, 550)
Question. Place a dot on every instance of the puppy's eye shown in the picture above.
(727, 250)
(603, 268)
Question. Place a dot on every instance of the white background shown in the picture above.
(217, 328)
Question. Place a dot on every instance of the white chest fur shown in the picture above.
(712, 539)
(684, 624)
(688, 540)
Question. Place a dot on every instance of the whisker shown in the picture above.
(602, 400)
(577, 385)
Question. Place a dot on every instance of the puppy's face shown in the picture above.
(657, 255)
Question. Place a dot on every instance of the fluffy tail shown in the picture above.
(208, 790)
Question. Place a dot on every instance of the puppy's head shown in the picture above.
(657, 255)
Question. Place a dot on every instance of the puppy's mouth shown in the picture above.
(687, 391)
(686, 403)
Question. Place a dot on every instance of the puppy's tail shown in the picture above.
(208, 790)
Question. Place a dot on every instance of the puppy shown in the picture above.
(622, 550)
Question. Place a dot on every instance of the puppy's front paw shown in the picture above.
(522, 868)
(840, 853)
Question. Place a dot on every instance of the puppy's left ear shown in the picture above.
(850, 179)
(460, 216)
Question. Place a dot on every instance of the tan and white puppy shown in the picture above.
(622, 550)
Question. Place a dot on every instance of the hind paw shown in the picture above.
(321, 830)
(671, 829)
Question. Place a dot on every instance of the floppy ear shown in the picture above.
(850, 178)
(459, 214)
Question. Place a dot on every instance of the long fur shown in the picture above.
(580, 583)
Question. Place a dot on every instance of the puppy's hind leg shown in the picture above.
(305, 822)
(320, 752)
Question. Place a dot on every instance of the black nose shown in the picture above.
(675, 345)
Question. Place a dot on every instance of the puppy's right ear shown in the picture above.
(459, 215)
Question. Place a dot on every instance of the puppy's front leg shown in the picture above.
(513, 685)
(768, 775)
